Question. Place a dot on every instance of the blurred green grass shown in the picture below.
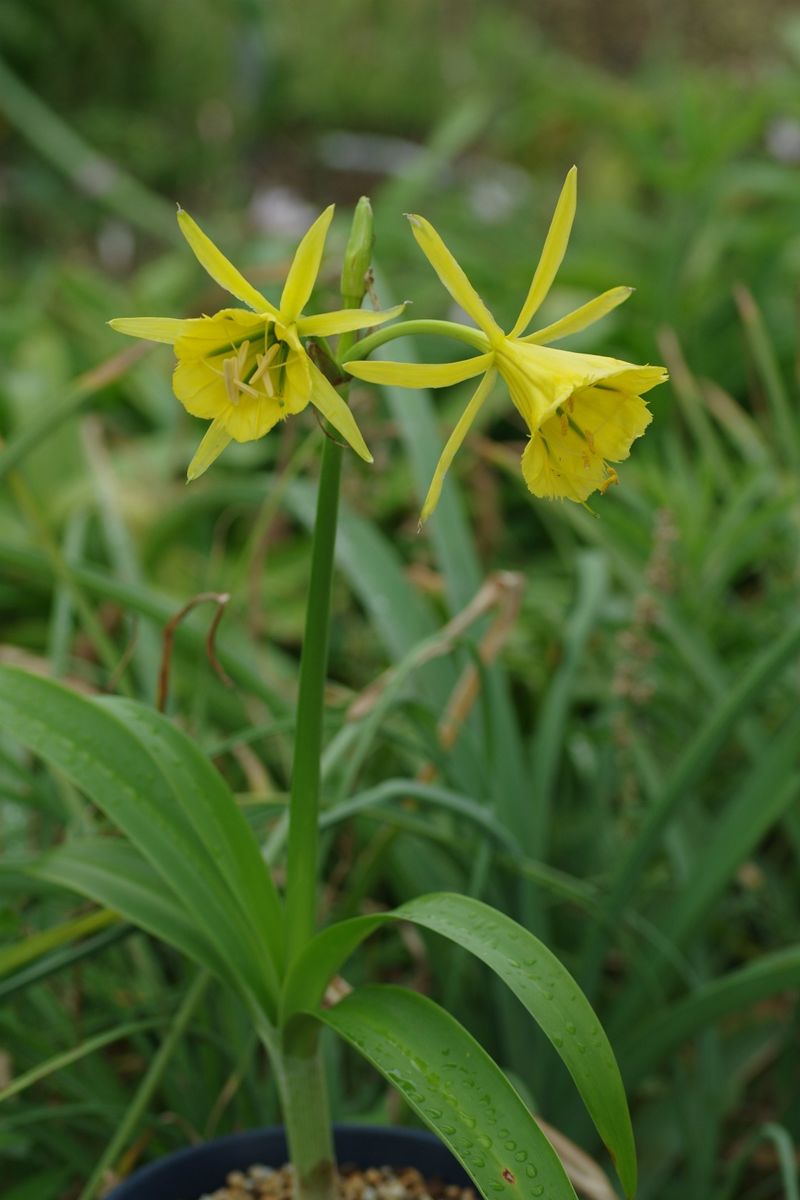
(634, 631)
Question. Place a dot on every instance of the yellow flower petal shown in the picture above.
(581, 317)
(199, 376)
(346, 320)
(219, 268)
(253, 417)
(452, 276)
(635, 379)
(298, 366)
(201, 392)
(539, 379)
(555, 246)
(154, 329)
(305, 268)
(420, 375)
(454, 443)
(609, 420)
(204, 337)
(559, 464)
(325, 398)
(212, 445)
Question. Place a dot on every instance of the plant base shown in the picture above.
(188, 1174)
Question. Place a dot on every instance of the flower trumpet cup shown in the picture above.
(246, 369)
(583, 411)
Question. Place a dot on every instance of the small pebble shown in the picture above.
(375, 1183)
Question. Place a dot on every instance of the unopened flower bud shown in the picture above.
(358, 255)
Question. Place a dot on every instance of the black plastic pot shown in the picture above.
(187, 1174)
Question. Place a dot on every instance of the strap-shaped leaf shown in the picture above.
(531, 971)
(216, 818)
(554, 1000)
(112, 872)
(94, 748)
(455, 1087)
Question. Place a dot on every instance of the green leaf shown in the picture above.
(677, 788)
(233, 650)
(766, 792)
(126, 1129)
(554, 1000)
(113, 873)
(34, 946)
(320, 959)
(668, 1029)
(530, 970)
(217, 820)
(99, 754)
(455, 1087)
(550, 736)
(59, 1061)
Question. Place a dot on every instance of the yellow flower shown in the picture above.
(245, 371)
(583, 411)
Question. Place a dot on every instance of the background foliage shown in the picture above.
(625, 780)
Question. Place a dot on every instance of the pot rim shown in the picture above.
(394, 1146)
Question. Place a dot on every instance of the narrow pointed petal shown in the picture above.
(325, 398)
(555, 247)
(421, 375)
(153, 329)
(219, 268)
(454, 443)
(452, 276)
(305, 268)
(346, 320)
(210, 448)
(580, 318)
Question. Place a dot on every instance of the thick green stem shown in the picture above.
(462, 333)
(296, 1050)
(304, 1099)
(301, 886)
